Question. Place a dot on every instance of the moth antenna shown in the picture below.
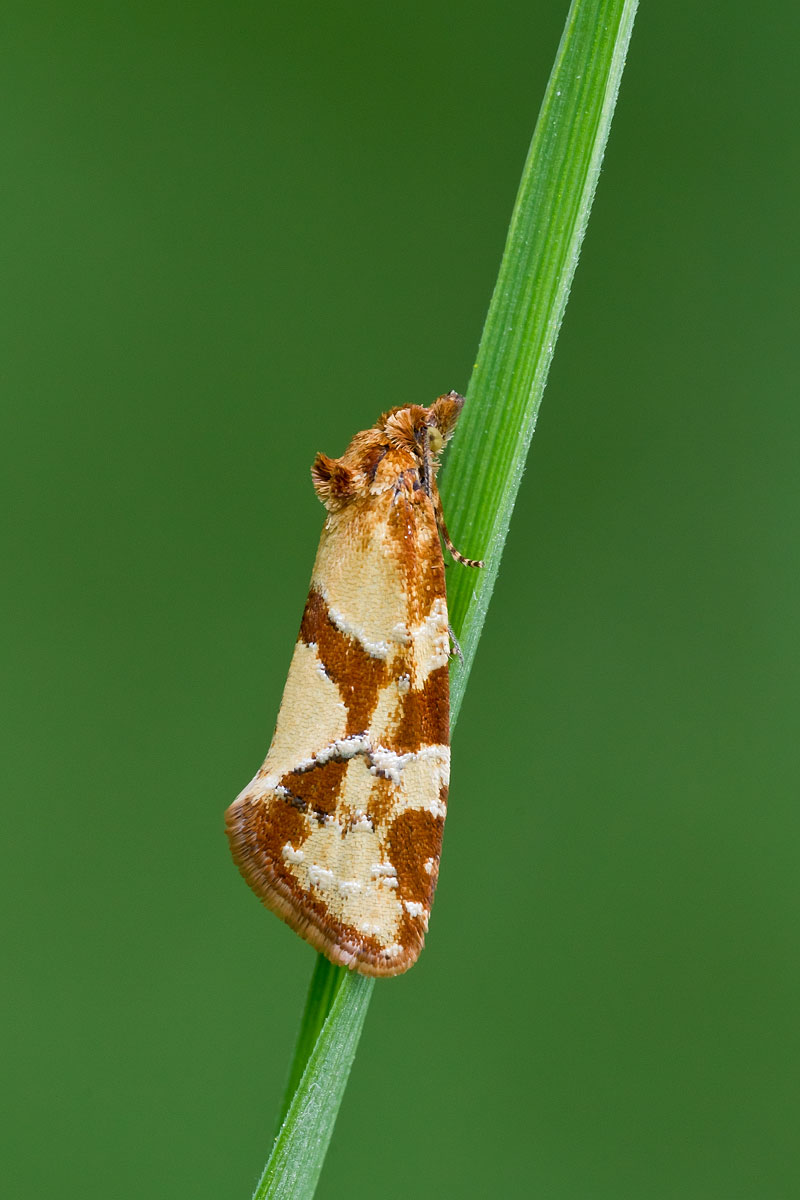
(428, 475)
(457, 555)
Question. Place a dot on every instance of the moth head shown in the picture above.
(424, 431)
(442, 417)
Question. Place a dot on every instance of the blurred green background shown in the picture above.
(232, 234)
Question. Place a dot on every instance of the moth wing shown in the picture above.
(340, 831)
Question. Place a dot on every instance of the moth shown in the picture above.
(340, 832)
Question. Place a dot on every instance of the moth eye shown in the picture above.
(435, 439)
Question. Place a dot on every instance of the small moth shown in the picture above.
(340, 831)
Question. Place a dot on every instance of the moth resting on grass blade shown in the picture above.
(340, 832)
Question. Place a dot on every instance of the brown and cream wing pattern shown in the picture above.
(340, 831)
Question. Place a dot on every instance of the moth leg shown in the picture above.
(456, 649)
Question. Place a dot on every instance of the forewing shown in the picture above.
(340, 831)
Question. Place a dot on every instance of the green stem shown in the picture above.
(300, 1147)
(322, 990)
(485, 466)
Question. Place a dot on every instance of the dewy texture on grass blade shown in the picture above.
(482, 477)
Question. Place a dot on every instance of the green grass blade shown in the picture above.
(485, 466)
(482, 478)
(322, 990)
(299, 1152)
